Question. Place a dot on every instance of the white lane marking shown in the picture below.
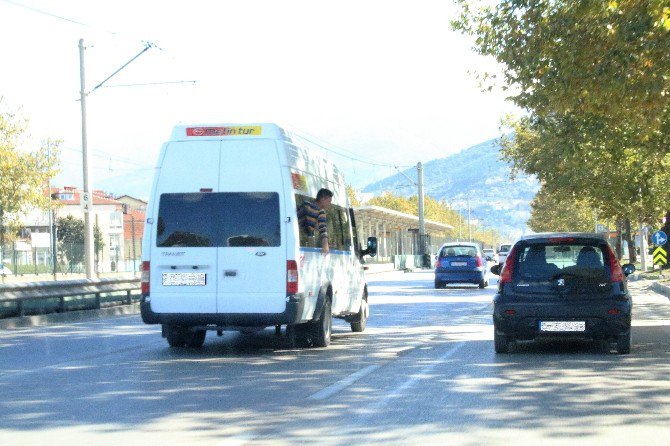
(237, 440)
(343, 383)
(423, 374)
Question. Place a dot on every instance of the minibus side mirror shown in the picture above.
(371, 250)
(628, 269)
(495, 269)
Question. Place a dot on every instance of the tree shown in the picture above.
(594, 78)
(70, 232)
(353, 196)
(25, 174)
(604, 58)
(433, 210)
(552, 212)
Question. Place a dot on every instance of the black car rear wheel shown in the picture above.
(623, 343)
(501, 343)
(195, 339)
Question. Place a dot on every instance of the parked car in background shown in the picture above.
(503, 250)
(562, 286)
(490, 255)
(460, 262)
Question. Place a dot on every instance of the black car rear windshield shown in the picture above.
(458, 251)
(545, 262)
(218, 219)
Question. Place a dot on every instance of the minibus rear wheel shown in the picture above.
(359, 321)
(175, 335)
(322, 328)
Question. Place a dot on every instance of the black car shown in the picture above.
(562, 286)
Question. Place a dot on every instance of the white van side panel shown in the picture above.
(252, 279)
(186, 167)
(341, 270)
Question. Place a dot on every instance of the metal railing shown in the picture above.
(22, 299)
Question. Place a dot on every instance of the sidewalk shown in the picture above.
(661, 285)
(11, 278)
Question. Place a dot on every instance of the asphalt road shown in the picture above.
(423, 372)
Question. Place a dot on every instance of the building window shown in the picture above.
(116, 220)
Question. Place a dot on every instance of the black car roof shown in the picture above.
(597, 237)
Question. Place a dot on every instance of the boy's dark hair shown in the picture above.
(323, 193)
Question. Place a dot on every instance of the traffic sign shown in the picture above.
(659, 238)
(86, 202)
(660, 256)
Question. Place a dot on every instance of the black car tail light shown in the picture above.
(616, 273)
(508, 268)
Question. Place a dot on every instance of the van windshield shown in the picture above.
(218, 219)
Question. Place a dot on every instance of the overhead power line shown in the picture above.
(149, 83)
(300, 134)
(56, 16)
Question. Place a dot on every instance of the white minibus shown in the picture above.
(223, 248)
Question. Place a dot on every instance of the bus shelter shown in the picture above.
(398, 233)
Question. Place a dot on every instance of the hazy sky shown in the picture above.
(383, 82)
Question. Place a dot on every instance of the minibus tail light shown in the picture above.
(144, 278)
(291, 277)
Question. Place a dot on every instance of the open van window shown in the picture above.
(226, 219)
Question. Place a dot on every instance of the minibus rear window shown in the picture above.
(226, 219)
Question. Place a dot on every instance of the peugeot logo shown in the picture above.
(260, 253)
(560, 282)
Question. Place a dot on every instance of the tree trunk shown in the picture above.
(628, 236)
(618, 245)
(2, 239)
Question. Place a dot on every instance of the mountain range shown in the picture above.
(476, 177)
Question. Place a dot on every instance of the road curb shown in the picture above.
(661, 289)
(68, 317)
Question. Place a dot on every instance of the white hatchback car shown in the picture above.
(490, 255)
(503, 252)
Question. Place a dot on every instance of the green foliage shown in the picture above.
(70, 232)
(552, 212)
(353, 196)
(571, 56)
(594, 78)
(25, 174)
(395, 202)
(436, 211)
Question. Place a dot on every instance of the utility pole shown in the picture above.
(88, 225)
(87, 198)
(52, 219)
(422, 226)
(469, 227)
(643, 246)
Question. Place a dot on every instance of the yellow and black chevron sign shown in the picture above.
(660, 256)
